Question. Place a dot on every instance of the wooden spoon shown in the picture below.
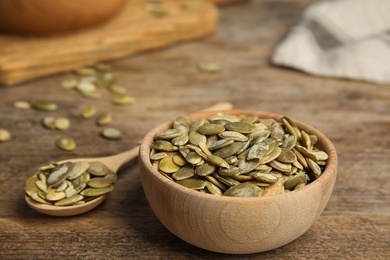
(114, 163)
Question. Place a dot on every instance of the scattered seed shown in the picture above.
(65, 143)
(5, 135)
(22, 105)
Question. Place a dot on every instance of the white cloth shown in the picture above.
(341, 38)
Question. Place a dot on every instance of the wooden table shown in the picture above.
(165, 83)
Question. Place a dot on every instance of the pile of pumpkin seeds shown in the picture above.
(238, 155)
(70, 183)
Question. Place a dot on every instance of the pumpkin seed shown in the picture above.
(195, 184)
(167, 165)
(58, 174)
(104, 119)
(205, 169)
(183, 173)
(111, 133)
(76, 169)
(22, 105)
(211, 129)
(5, 135)
(265, 177)
(69, 201)
(85, 71)
(88, 112)
(98, 169)
(44, 105)
(49, 122)
(65, 143)
(100, 182)
(243, 190)
(117, 89)
(165, 146)
(61, 123)
(95, 192)
(123, 100)
(213, 189)
(286, 156)
(54, 195)
(233, 135)
(209, 67)
(69, 83)
(240, 127)
(294, 180)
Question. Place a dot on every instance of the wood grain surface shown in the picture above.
(165, 83)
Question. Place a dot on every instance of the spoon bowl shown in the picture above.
(113, 162)
(236, 225)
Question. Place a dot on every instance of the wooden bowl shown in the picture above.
(236, 225)
(44, 17)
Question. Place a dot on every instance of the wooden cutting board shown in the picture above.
(132, 31)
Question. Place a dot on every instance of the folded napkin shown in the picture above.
(342, 38)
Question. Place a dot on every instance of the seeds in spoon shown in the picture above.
(70, 183)
(239, 150)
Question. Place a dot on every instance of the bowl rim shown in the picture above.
(330, 171)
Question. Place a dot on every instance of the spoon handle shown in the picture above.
(116, 161)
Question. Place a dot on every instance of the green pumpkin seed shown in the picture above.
(294, 180)
(169, 134)
(195, 184)
(65, 143)
(234, 136)
(111, 133)
(100, 182)
(76, 169)
(94, 192)
(98, 169)
(265, 177)
(69, 83)
(88, 112)
(69, 201)
(37, 198)
(61, 123)
(211, 129)
(30, 186)
(167, 165)
(54, 195)
(205, 169)
(213, 189)
(5, 135)
(209, 68)
(22, 105)
(117, 89)
(44, 105)
(49, 122)
(58, 174)
(286, 156)
(243, 190)
(85, 71)
(123, 100)
(221, 144)
(164, 146)
(240, 127)
(183, 173)
(104, 119)
(179, 160)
